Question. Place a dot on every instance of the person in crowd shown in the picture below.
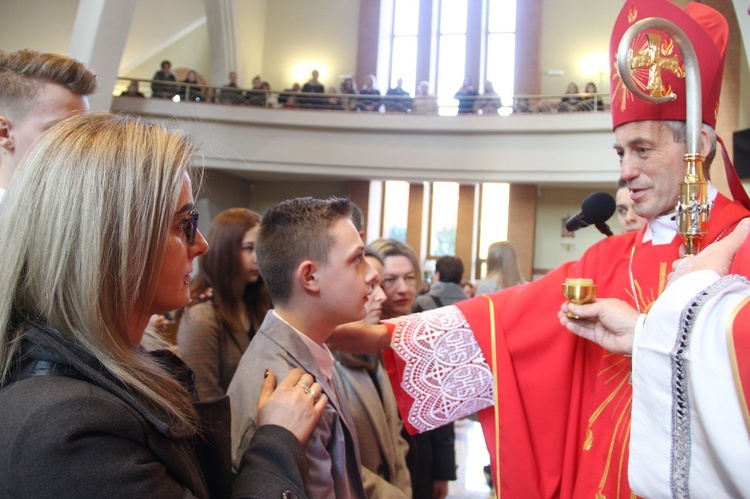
(37, 90)
(191, 89)
(333, 101)
(214, 332)
(132, 90)
(469, 288)
(313, 86)
(626, 215)
(397, 99)
(704, 310)
(503, 269)
(232, 93)
(524, 367)
(373, 101)
(592, 101)
(312, 260)
(424, 102)
(571, 100)
(432, 456)
(363, 383)
(163, 82)
(523, 105)
(257, 95)
(466, 96)
(348, 87)
(83, 407)
(446, 285)
(288, 97)
(271, 99)
(489, 102)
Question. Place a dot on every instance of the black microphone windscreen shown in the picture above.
(598, 207)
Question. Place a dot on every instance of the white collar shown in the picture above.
(661, 230)
(321, 354)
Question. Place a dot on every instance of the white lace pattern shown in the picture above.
(446, 373)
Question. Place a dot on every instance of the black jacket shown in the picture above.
(77, 432)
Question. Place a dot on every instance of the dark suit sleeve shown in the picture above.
(444, 452)
(273, 464)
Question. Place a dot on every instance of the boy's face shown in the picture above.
(347, 279)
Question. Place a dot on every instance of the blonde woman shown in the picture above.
(98, 232)
(503, 269)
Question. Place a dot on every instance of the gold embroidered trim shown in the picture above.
(493, 343)
(618, 427)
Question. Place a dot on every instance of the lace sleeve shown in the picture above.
(441, 373)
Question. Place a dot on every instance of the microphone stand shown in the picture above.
(603, 228)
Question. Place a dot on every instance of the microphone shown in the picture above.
(596, 209)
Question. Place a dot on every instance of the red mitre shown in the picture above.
(704, 27)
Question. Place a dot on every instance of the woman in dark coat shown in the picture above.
(108, 238)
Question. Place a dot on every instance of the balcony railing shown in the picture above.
(404, 104)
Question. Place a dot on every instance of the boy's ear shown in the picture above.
(307, 277)
(5, 127)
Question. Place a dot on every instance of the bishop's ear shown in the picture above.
(705, 143)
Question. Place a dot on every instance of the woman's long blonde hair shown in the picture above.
(83, 229)
(503, 266)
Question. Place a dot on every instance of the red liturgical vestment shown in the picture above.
(556, 414)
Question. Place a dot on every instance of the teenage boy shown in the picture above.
(37, 90)
(312, 260)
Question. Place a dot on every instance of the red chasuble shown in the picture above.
(557, 420)
(738, 331)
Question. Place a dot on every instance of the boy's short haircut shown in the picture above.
(358, 218)
(23, 73)
(294, 231)
(451, 269)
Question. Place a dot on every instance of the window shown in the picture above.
(396, 209)
(501, 47)
(446, 51)
(451, 49)
(443, 219)
(494, 219)
(439, 213)
(404, 44)
(493, 216)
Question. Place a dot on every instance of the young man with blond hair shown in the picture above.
(37, 90)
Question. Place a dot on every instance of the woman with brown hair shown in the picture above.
(503, 270)
(214, 332)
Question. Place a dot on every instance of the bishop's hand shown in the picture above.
(609, 322)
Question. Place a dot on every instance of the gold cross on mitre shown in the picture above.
(656, 57)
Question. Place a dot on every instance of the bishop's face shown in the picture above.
(651, 163)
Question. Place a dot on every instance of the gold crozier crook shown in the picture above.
(693, 206)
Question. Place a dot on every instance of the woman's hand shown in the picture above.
(296, 404)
